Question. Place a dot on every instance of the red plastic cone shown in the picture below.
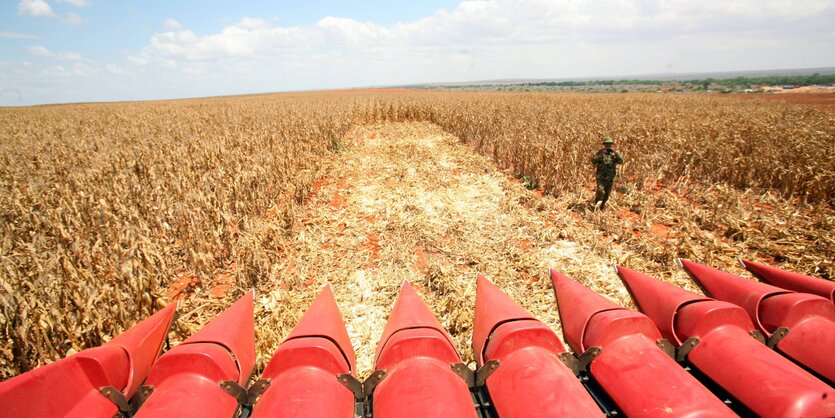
(809, 319)
(409, 312)
(186, 379)
(731, 288)
(143, 344)
(508, 334)
(640, 378)
(792, 281)
(725, 352)
(234, 329)
(416, 352)
(492, 308)
(70, 387)
(577, 304)
(323, 319)
(302, 371)
(658, 300)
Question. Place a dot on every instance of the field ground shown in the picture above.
(823, 101)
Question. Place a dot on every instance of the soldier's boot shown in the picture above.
(607, 191)
(600, 196)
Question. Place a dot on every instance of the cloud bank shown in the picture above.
(40, 8)
(485, 39)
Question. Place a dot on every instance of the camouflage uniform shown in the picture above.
(606, 162)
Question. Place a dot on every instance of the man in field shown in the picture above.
(606, 161)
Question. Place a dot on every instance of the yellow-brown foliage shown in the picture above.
(103, 205)
(549, 137)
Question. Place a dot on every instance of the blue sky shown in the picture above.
(110, 27)
(91, 50)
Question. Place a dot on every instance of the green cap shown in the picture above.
(608, 140)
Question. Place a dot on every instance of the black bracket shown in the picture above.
(686, 347)
(667, 347)
(361, 389)
(257, 389)
(478, 378)
(117, 397)
(233, 388)
(757, 335)
(122, 403)
(142, 394)
(244, 396)
(776, 336)
(485, 371)
(579, 364)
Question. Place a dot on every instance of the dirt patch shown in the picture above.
(661, 230)
(221, 285)
(182, 286)
(822, 101)
(381, 90)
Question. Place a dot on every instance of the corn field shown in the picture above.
(104, 206)
(548, 138)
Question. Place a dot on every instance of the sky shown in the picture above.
(55, 51)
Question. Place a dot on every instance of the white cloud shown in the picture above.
(76, 3)
(172, 24)
(491, 39)
(40, 8)
(489, 24)
(42, 51)
(36, 8)
(246, 39)
(252, 23)
(70, 56)
(116, 69)
(17, 35)
(477, 40)
(73, 19)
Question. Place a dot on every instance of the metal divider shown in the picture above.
(604, 402)
(717, 390)
(482, 402)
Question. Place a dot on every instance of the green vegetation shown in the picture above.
(799, 80)
(625, 85)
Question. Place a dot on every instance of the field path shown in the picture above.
(410, 202)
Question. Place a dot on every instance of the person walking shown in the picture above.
(605, 161)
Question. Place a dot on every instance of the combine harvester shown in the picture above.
(685, 356)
